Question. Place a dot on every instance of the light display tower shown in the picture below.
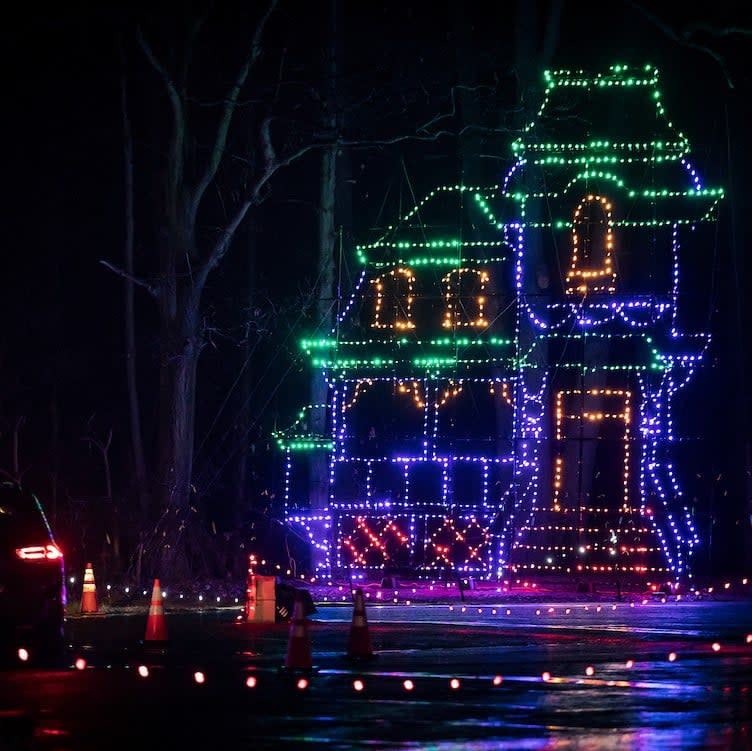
(501, 379)
(608, 207)
(421, 372)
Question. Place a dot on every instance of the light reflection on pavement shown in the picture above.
(537, 678)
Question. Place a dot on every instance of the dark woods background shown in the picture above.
(421, 94)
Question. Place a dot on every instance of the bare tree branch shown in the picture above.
(104, 449)
(227, 113)
(176, 147)
(273, 164)
(193, 31)
(428, 138)
(150, 288)
(270, 155)
(684, 39)
(453, 111)
(716, 31)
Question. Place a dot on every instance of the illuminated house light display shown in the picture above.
(501, 379)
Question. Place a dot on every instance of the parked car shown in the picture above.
(32, 580)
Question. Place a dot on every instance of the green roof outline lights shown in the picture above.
(708, 199)
(440, 251)
(446, 341)
(645, 76)
(289, 440)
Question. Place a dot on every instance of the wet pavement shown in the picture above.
(513, 675)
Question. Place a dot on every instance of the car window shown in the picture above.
(22, 511)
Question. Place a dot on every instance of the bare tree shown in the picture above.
(186, 258)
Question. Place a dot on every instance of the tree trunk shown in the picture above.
(171, 551)
(180, 348)
(243, 495)
(243, 422)
(319, 477)
(134, 407)
(319, 470)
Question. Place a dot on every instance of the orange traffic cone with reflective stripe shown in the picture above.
(359, 642)
(299, 644)
(156, 627)
(89, 594)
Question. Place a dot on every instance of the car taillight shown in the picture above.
(40, 553)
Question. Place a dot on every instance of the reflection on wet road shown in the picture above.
(520, 676)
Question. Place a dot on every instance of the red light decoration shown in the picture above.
(459, 546)
(374, 541)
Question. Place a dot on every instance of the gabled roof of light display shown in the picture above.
(638, 351)
(621, 141)
(297, 437)
(451, 225)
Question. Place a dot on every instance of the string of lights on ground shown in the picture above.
(116, 597)
(409, 682)
(359, 679)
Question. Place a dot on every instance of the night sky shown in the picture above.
(61, 345)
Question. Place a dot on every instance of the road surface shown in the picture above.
(672, 675)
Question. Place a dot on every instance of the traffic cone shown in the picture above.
(156, 627)
(299, 644)
(359, 642)
(89, 594)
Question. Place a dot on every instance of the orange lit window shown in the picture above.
(592, 267)
(394, 300)
(465, 295)
(571, 406)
